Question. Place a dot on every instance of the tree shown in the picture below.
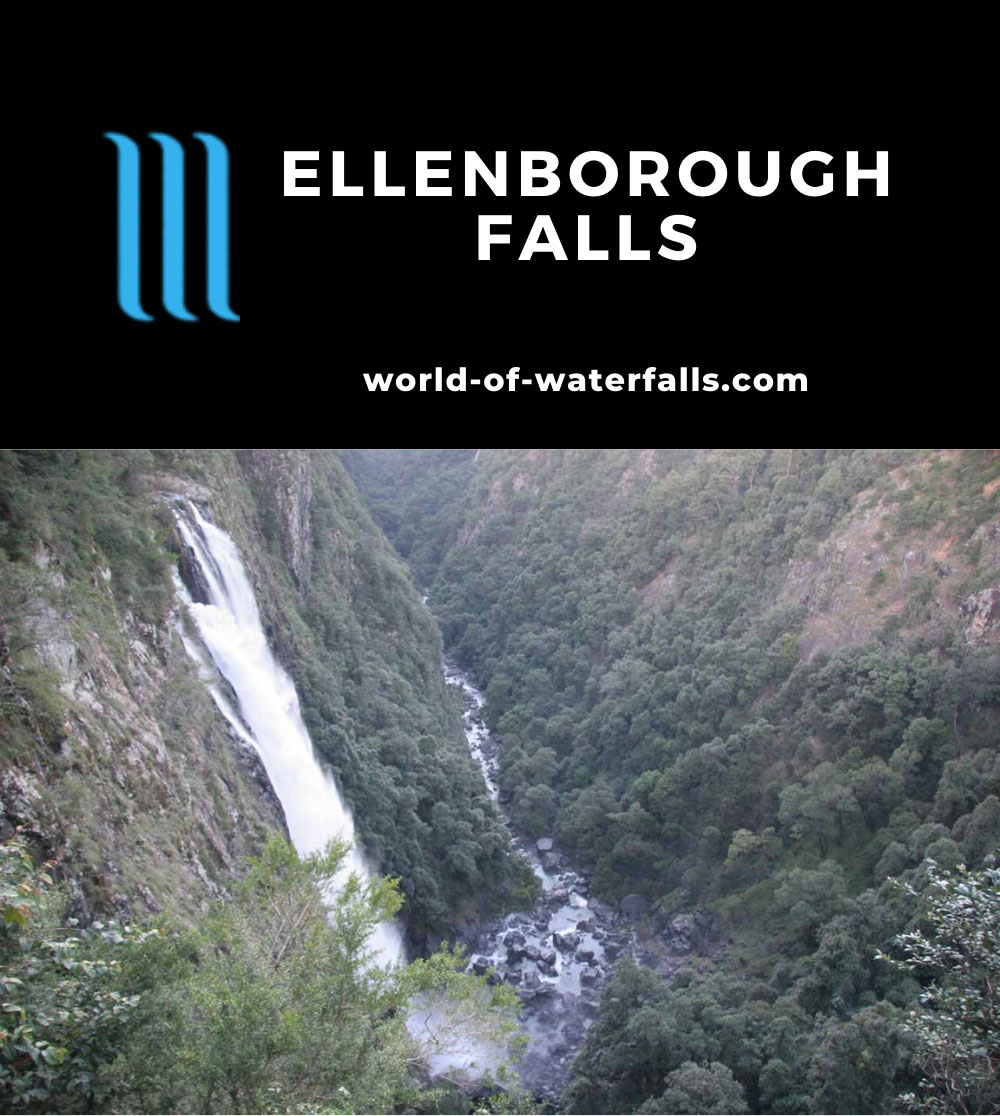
(744, 850)
(692, 1088)
(878, 791)
(957, 1026)
(273, 993)
(820, 808)
(623, 1059)
(458, 1023)
(62, 1012)
(856, 1063)
(275, 1001)
(534, 809)
(983, 831)
(812, 896)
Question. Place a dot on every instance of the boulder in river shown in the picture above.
(517, 946)
(480, 965)
(516, 954)
(589, 975)
(544, 844)
(585, 955)
(566, 942)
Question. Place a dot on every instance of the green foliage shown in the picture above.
(274, 1002)
(94, 507)
(457, 1016)
(634, 622)
(271, 992)
(618, 609)
(853, 1064)
(515, 1100)
(694, 1088)
(286, 998)
(647, 668)
(956, 951)
(811, 896)
(727, 1044)
(63, 1012)
(366, 658)
(420, 513)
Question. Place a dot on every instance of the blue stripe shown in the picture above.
(173, 227)
(218, 226)
(128, 227)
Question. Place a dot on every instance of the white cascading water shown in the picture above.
(231, 630)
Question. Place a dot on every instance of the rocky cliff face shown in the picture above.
(282, 481)
(867, 572)
(114, 759)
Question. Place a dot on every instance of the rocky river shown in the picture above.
(558, 955)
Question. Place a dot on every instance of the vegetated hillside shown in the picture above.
(747, 687)
(113, 755)
(418, 500)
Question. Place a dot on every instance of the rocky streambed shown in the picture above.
(558, 955)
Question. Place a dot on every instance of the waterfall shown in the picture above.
(230, 628)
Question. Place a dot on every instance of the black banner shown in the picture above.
(785, 310)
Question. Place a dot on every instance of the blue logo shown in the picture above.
(217, 224)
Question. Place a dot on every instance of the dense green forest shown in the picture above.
(759, 684)
(752, 694)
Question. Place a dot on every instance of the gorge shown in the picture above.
(554, 953)
(676, 745)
